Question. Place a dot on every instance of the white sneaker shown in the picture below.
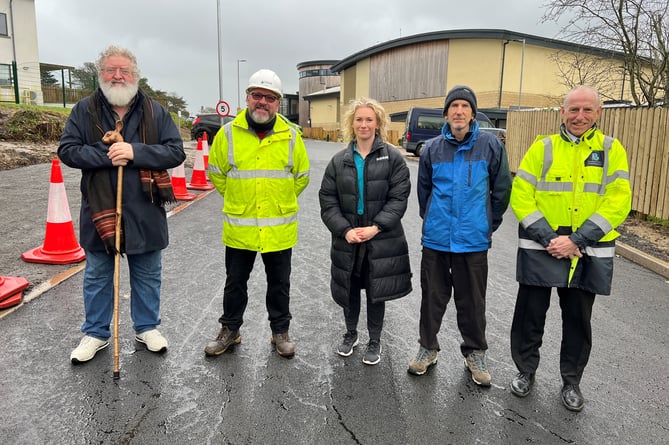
(154, 340)
(87, 348)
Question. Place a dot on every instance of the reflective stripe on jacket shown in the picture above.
(577, 189)
(260, 181)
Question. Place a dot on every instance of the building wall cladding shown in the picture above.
(311, 84)
(507, 70)
(409, 72)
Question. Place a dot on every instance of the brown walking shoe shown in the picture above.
(284, 346)
(224, 340)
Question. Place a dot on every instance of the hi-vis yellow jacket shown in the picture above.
(577, 189)
(260, 181)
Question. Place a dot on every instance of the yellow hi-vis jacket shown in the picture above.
(260, 181)
(577, 189)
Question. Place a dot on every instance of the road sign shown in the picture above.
(222, 108)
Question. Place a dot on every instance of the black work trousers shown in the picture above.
(375, 311)
(238, 267)
(527, 329)
(466, 275)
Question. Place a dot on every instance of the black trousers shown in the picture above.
(527, 329)
(238, 267)
(375, 311)
(466, 275)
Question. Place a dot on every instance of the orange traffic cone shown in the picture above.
(205, 150)
(11, 291)
(60, 243)
(179, 184)
(198, 180)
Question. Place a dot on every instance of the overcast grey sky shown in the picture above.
(176, 42)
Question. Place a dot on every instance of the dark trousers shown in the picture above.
(466, 275)
(375, 311)
(238, 267)
(527, 330)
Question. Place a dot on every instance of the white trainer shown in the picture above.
(154, 340)
(88, 347)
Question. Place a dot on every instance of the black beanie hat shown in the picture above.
(461, 92)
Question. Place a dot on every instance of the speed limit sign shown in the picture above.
(222, 108)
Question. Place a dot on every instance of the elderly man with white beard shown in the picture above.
(151, 144)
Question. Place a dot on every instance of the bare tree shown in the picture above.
(584, 69)
(637, 28)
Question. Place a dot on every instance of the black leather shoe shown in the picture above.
(572, 398)
(522, 384)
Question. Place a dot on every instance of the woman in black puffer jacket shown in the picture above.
(363, 197)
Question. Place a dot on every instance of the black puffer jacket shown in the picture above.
(387, 188)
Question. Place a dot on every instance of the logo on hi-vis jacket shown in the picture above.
(596, 159)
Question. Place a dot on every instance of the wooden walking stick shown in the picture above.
(109, 138)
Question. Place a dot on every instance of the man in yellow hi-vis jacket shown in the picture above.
(258, 163)
(571, 191)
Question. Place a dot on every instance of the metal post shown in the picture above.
(220, 55)
(522, 63)
(62, 77)
(501, 76)
(239, 97)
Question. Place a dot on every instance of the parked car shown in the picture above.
(425, 123)
(499, 132)
(209, 122)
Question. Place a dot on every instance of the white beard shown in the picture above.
(119, 95)
(259, 118)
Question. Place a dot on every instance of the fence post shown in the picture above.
(15, 74)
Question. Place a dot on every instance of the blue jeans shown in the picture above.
(145, 280)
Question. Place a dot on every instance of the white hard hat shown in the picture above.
(266, 79)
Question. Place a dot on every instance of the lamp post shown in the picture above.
(522, 63)
(239, 96)
(220, 55)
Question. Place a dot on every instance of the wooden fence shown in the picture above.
(644, 132)
(54, 95)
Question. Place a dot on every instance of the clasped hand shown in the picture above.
(120, 153)
(361, 234)
(563, 247)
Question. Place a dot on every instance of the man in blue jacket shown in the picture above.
(464, 185)
(150, 144)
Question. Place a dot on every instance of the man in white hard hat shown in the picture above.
(258, 163)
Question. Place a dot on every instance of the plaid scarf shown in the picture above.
(101, 194)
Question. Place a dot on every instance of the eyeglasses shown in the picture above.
(111, 71)
(270, 98)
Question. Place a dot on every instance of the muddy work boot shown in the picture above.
(225, 339)
(475, 363)
(284, 346)
(424, 359)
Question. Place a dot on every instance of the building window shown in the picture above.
(3, 24)
(317, 73)
(5, 74)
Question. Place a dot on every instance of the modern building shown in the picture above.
(507, 70)
(19, 53)
(316, 81)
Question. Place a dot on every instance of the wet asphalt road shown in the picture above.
(253, 396)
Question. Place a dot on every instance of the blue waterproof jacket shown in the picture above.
(463, 190)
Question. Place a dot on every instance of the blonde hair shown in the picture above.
(118, 51)
(381, 118)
